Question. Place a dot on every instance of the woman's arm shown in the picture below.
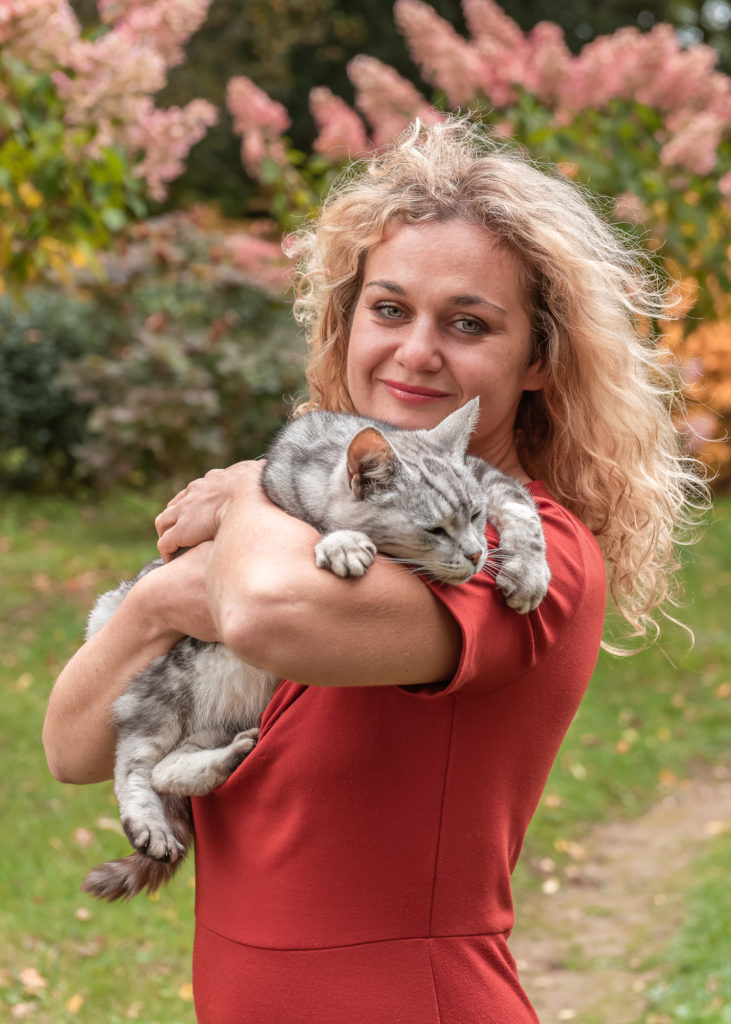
(78, 732)
(275, 609)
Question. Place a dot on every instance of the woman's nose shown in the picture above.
(420, 349)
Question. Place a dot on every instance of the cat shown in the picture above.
(189, 719)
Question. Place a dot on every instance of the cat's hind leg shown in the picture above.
(202, 762)
(141, 810)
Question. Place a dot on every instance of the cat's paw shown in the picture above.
(345, 553)
(153, 841)
(523, 586)
(244, 742)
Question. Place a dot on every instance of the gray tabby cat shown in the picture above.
(189, 719)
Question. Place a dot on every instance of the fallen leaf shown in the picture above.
(32, 980)
(551, 886)
(83, 837)
(21, 1010)
(74, 1004)
(575, 850)
(41, 582)
(717, 828)
(133, 1011)
(186, 991)
(552, 800)
(82, 914)
(23, 682)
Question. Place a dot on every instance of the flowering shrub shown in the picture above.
(181, 356)
(81, 139)
(200, 363)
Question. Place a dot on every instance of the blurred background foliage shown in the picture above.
(145, 332)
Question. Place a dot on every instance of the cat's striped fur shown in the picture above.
(189, 719)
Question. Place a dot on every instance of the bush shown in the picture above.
(174, 363)
(41, 420)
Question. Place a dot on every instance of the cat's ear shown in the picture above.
(454, 432)
(371, 461)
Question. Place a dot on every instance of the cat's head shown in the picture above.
(415, 495)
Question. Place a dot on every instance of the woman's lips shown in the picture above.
(411, 392)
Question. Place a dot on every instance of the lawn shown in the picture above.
(647, 723)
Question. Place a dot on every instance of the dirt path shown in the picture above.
(585, 951)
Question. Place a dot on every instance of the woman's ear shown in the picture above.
(535, 375)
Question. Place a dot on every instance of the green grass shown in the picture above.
(647, 722)
(94, 962)
(696, 986)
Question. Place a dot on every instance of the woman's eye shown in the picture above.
(470, 325)
(387, 310)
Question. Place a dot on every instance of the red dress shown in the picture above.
(356, 868)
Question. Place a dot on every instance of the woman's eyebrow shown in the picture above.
(390, 286)
(476, 300)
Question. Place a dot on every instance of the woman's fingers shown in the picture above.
(193, 515)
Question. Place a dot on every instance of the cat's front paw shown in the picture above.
(523, 586)
(154, 841)
(345, 553)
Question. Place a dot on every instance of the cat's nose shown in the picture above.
(475, 557)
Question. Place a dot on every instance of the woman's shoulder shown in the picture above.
(566, 535)
(498, 644)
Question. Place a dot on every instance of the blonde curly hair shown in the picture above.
(601, 433)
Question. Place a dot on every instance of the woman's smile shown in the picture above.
(412, 393)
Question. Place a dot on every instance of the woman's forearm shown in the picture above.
(78, 733)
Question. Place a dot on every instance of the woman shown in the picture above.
(356, 867)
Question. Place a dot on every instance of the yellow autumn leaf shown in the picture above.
(186, 992)
(29, 195)
(74, 1004)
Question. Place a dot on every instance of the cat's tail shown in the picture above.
(124, 878)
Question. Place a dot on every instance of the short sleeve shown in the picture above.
(499, 645)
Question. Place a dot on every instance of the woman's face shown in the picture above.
(442, 318)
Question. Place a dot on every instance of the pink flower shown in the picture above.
(629, 208)
(694, 147)
(444, 57)
(388, 101)
(260, 260)
(163, 25)
(547, 63)
(490, 25)
(342, 134)
(260, 121)
(165, 137)
(108, 82)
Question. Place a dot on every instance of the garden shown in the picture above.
(146, 335)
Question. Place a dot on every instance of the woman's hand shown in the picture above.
(195, 514)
